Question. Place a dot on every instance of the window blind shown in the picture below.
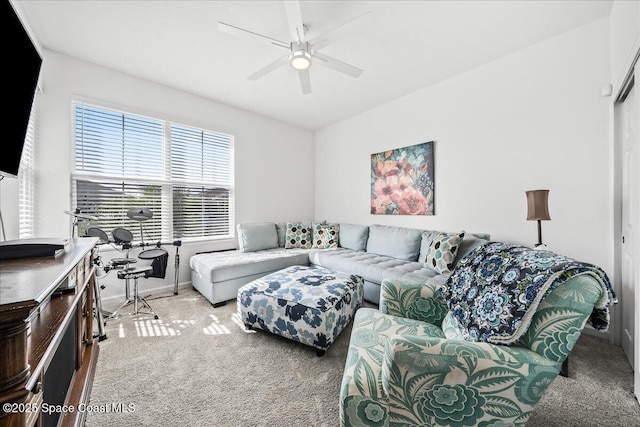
(183, 174)
(110, 201)
(201, 173)
(117, 144)
(26, 177)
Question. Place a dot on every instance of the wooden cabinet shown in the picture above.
(47, 350)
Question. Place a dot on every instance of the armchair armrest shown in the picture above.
(412, 300)
(434, 381)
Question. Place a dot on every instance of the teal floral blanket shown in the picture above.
(495, 290)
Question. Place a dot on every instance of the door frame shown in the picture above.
(620, 96)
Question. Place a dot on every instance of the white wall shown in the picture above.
(273, 161)
(532, 119)
(624, 21)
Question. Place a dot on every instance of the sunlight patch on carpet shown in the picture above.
(215, 328)
(153, 328)
(183, 323)
(236, 319)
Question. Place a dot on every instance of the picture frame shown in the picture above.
(402, 181)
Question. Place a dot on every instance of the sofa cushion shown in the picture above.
(325, 236)
(257, 236)
(442, 252)
(281, 229)
(372, 267)
(354, 236)
(396, 242)
(298, 236)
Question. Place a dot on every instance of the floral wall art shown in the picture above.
(402, 181)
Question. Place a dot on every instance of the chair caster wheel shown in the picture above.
(320, 353)
(156, 317)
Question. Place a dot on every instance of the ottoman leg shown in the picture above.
(320, 353)
(248, 327)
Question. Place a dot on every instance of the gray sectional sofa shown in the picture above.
(373, 252)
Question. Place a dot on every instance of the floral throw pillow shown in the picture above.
(325, 236)
(298, 235)
(442, 251)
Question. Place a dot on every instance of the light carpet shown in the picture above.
(196, 366)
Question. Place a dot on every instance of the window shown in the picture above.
(199, 157)
(183, 174)
(26, 178)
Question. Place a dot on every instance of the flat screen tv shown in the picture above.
(21, 74)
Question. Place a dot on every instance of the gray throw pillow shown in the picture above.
(257, 236)
(395, 242)
(353, 236)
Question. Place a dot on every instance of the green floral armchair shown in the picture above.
(401, 370)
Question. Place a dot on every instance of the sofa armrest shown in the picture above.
(413, 300)
(460, 382)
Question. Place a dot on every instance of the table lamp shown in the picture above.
(538, 209)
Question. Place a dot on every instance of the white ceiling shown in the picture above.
(401, 45)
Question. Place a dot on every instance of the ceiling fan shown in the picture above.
(302, 52)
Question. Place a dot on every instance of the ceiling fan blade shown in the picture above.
(305, 81)
(294, 17)
(320, 44)
(337, 65)
(317, 38)
(269, 68)
(237, 31)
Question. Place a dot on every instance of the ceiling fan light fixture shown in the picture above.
(300, 59)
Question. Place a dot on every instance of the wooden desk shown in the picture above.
(47, 350)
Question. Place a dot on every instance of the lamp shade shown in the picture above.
(538, 205)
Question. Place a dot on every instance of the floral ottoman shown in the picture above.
(311, 305)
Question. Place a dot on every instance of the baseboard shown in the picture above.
(153, 291)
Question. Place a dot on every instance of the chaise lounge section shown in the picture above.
(219, 275)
